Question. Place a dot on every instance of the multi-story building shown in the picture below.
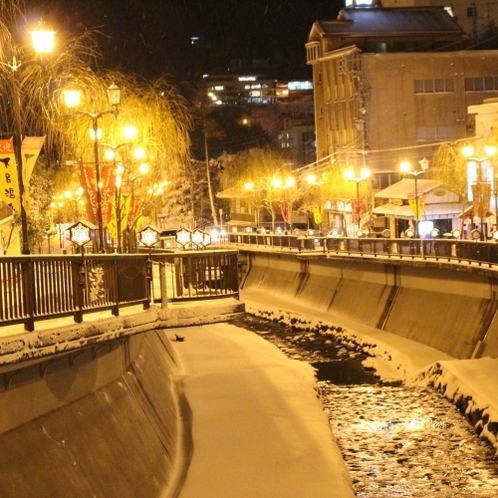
(283, 109)
(392, 83)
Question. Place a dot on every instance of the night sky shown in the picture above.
(153, 37)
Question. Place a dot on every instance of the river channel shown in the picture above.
(396, 440)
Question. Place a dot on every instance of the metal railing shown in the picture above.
(450, 250)
(34, 288)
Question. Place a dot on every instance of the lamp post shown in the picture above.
(349, 174)
(43, 43)
(72, 100)
(289, 182)
(405, 167)
(130, 133)
(480, 193)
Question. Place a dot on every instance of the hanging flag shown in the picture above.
(89, 184)
(30, 150)
(9, 179)
(286, 211)
(317, 214)
(412, 201)
(108, 181)
(135, 211)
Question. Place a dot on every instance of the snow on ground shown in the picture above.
(470, 384)
(258, 425)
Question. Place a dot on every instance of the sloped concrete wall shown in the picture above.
(451, 309)
(103, 421)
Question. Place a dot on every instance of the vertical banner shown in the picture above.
(30, 150)
(108, 181)
(481, 194)
(135, 211)
(317, 214)
(286, 211)
(412, 201)
(9, 179)
(89, 183)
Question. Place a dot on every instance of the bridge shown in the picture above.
(93, 373)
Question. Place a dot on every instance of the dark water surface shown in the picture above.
(397, 441)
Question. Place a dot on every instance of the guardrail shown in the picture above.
(451, 250)
(34, 288)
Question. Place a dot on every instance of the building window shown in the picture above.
(471, 12)
(487, 84)
(435, 133)
(382, 47)
(434, 86)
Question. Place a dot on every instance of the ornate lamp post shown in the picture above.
(43, 43)
(481, 191)
(406, 167)
(349, 174)
(289, 182)
(72, 100)
(130, 133)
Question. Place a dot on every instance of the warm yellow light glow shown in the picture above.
(139, 154)
(43, 40)
(349, 174)
(468, 151)
(490, 150)
(109, 154)
(249, 185)
(405, 166)
(99, 134)
(120, 169)
(143, 168)
(130, 132)
(72, 98)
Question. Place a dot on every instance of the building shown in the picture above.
(283, 109)
(392, 83)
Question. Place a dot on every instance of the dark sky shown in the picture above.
(152, 37)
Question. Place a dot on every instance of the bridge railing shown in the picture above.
(34, 288)
(451, 250)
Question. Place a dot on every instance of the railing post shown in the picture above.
(163, 284)
(28, 284)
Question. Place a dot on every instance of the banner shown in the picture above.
(135, 211)
(30, 150)
(417, 214)
(317, 214)
(108, 183)
(9, 179)
(481, 195)
(286, 211)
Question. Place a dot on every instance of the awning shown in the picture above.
(233, 193)
(406, 187)
(431, 211)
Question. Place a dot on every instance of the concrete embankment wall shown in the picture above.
(100, 421)
(450, 308)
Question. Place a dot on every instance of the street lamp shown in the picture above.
(72, 99)
(286, 209)
(130, 133)
(406, 167)
(349, 174)
(481, 189)
(43, 42)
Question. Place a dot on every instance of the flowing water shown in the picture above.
(397, 441)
